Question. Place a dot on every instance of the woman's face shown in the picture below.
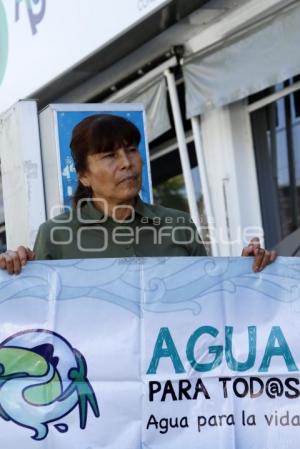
(114, 176)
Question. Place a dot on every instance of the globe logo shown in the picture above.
(3, 41)
(43, 379)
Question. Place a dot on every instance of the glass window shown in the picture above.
(276, 134)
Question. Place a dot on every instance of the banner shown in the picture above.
(150, 353)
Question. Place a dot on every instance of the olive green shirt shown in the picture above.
(152, 231)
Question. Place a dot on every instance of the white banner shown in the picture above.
(150, 353)
(42, 39)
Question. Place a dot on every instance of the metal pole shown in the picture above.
(273, 97)
(183, 150)
(204, 178)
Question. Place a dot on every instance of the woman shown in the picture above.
(108, 218)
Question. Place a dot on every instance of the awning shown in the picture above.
(153, 96)
(154, 99)
(266, 56)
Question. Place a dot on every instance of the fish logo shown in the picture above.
(43, 379)
(3, 41)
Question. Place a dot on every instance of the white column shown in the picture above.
(204, 180)
(245, 171)
(23, 190)
(183, 150)
(231, 173)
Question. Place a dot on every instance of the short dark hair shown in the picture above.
(99, 133)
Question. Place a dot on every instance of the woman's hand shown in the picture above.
(13, 261)
(262, 257)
